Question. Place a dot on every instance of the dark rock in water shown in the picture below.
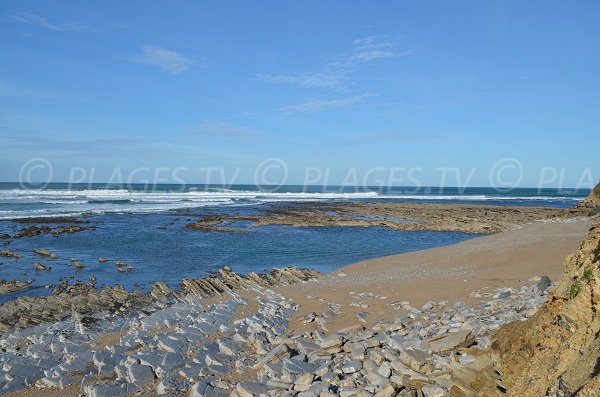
(4, 236)
(71, 229)
(32, 231)
(9, 254)
(213, 223)
(40, 266)
(504, 294)
(102, 260)
(35, 230)
(8, 286)
(78, 265)
(46, 253)
(544, 283)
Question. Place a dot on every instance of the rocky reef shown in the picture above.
(465, 218)
(83, 299)
(8, 286)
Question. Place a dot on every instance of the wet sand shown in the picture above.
(507, 259)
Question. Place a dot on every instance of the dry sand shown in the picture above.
(450, 273)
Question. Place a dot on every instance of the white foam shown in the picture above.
(62, 202)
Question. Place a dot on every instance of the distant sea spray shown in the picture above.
(70, 200)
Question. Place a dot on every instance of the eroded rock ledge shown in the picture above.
(398, 216)
(84, 299)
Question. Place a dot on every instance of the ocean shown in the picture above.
(144, 226)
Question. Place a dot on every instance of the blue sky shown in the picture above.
(335, 85)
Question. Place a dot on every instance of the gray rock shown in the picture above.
(544, 283)
(433, 391)
(395, 342)
(298, 367)
(332, 341)
(415, 359)
(228, 347)
(203, 388)
(352, 367)
(450, 341)
(139, 374)
(387, 391)
(251, 389)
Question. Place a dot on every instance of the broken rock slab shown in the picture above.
(450, 341)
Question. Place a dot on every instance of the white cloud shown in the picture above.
(314, 105)
(167, 60)
(372, 48)
(371, 55)
(367, 56)
(34, 19)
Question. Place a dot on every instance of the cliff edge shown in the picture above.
(590, 205)
(557, 352)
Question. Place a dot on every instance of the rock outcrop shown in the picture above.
(8, 286)
(226, 280)
(84, 299)
(591, 204)
(557, 352)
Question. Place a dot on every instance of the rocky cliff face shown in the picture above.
(557, 352)
(591, 204)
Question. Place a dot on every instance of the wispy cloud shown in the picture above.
(38, 20)
(315, 105)
(219, 129)
(337, 71)
(324, 78)
(167, 60)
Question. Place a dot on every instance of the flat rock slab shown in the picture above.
(252, 389)
(140, 374)
(450, 341)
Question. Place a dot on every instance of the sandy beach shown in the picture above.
(508, 259)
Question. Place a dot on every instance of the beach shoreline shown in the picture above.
(257, 334)
(462, 271)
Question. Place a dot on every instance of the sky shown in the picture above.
(343, 91)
